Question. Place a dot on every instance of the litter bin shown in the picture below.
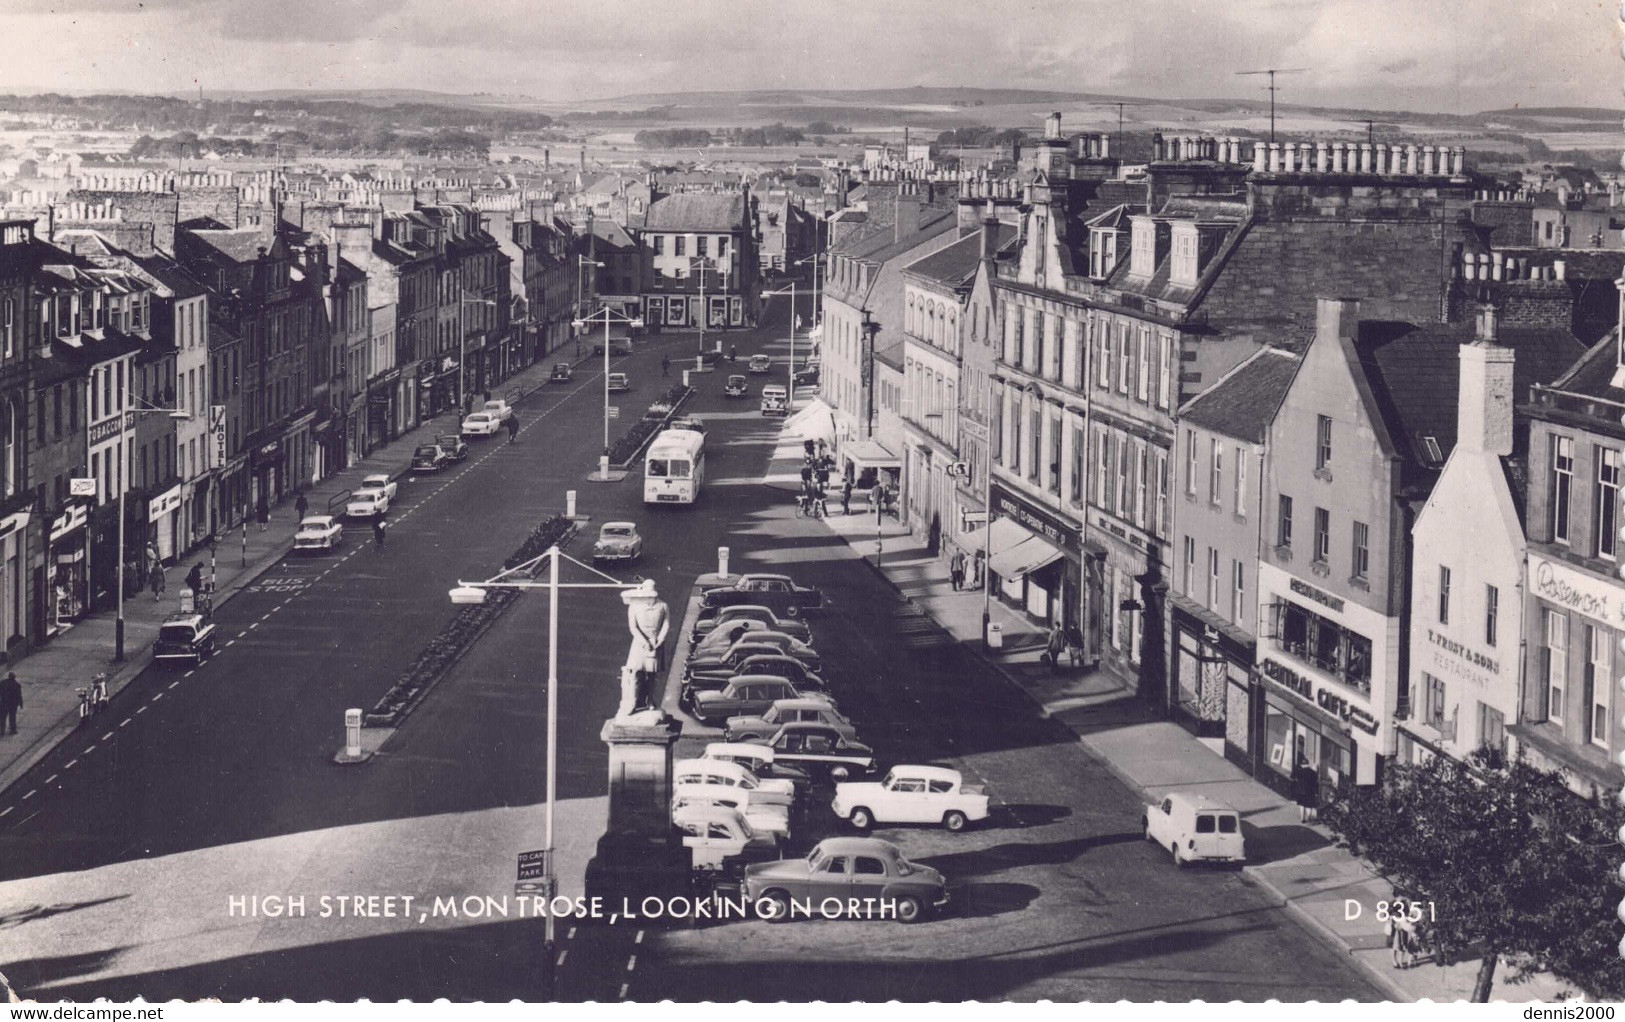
(995, 636)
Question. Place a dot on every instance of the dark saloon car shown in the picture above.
(845, 877)
(778, 593)
(428, 458)
(820, 750)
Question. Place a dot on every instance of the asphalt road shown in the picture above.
(119, 851)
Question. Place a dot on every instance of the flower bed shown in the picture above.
(466, 627)
(626, 449)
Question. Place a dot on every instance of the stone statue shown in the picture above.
(649, 621)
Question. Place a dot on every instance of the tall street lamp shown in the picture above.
(130, 412)
(474, 593)
(608, 315)
(795, 321)
(464, 300)
(581, 261)
(704, 264)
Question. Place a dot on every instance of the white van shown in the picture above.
(775, 400)
(1195, 827)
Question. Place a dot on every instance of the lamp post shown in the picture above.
(464, 301)
(790, 392)
(130, 412)
(704, 263)
(581, 261)
(606, 313)
(474, 593)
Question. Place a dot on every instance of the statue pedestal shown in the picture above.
(640, 855)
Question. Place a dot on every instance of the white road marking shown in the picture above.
(173, 684)
(7, 810)
(639, 938)
(157, 696)
(631, 963)
(252, 627)
(29, 795)
(124, 723)
(51, 778)
(571, 935)
(69, 764)
(622, 994)
(188, 674)
(141, 709)
(562, 954)
(91, 748)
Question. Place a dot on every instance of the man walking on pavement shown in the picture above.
(846, 497)
(978, 565)
(264, 515)
(956, 569)
(11, 700)
(378, 527)
(301, 505)
(665, 365)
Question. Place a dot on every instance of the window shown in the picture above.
(1238, 593)
(1562, 482)
(679, 245)
(1283, 527)
(1103, 494)
(702, 247)
(1605, 517)
(722, 247)
(1190, 563)
(1492, 613)
(1434, 707)
(1323, 441)
(1103, 377)
(1598, 673)
(1055, 455)
(1124, 476)
(1323, 535)
(1215, 472)
(1491, 727)
(998, 427)
(1125, 358)
(1036, 439)
(1077, 464)
(1212, 578)
(1362, 550)
(1557, 663)
(1142, 387)
(1444, 595)
(1165, 386)
(660, 244)
(1159, 524)
(865, 866)
(1015, 438)
(1190, 464)
(1241, 483)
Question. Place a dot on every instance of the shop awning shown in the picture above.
(814, 422)
(869, 454)
(995, 538)
(1025, 557)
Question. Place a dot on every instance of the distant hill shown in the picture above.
(1576, 113)
(918, 94)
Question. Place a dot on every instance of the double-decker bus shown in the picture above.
(674, 467)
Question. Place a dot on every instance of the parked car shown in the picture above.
(719, 838)
(184, 638)
(687, 422)
(848, 870)
(806, 379)
(453, 445)
(758, 760)
(715, 617)
(619, 383)
(775, 592)
(760, 364)
(781, 642)
(1194, 827)
(726, 662)
(763, 817)
(745, 694)
(318, 532)
(617, 346)
(481, 424)
(784, 711)
(618, 541)
(820, 749)
(736, 386)
(775, 665)
(911, 794)
(717, 641)
(428, 458)
(367, 503)
(776, 790)
(380, 481)
(561, 373)
(775, 400)
(498, 409)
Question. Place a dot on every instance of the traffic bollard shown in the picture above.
(699, 363)
(686, 382)
(569, 503)
(722, 561)
(352, 733)
(603, 466)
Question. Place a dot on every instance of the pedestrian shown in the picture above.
(846, 497)
(820, 509)
(956, 570)
(513, 428)
(487, 396)
(665, 365)
(301, 505)
(378, 527)
(11, 700)
(194, 578)
(733, 353)
(978, 565)
(807, 447)
(264, 515)
(1054, 646)
(806, 477)
(155, 581)
(1305, 788)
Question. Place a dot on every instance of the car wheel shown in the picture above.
(775, 907)
(953, 820)
(909, 910)
(1179, 860)
(861, 818)
(840, 773)
(1145, 828)
(792, 612)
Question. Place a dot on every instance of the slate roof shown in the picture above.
(955, 266)
(239, 244)
(1243, 402)
(169, 273)
(696, 211)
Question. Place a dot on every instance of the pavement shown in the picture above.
(1299, 865)
(52, 675)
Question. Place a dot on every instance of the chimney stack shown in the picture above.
(990, 231)
(1052, 125)
(1484, 403)
(1337, 317)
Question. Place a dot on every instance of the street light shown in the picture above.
(705, 313)
(790, 393)
(130, 412)
(474, 593)
(463, 301)
(605, 312)
(581, 261)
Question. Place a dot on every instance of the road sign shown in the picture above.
(532, 865)
(615, 411)
(81, 487)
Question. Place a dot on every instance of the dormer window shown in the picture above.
(1143, 251)
(1431, 451)
(1186, 263)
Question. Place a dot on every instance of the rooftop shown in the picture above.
(1243, 402)
(696, 211)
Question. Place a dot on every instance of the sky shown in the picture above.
(1452, 56)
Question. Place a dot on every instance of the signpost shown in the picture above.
(615, 411)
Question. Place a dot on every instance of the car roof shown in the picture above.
(802, 725)
(1202, 802)
(933, 773)
(479, 415)
(706, 763)
(739, 610)
(317, 520)
(618, 525)
(195, 620)
(751, 678)
(376, 475)
(765, 576)
(859, 846)
(706, 813)
(801, 703)
(716, 749)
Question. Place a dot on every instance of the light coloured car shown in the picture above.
(318, 532)
(760, 364)
(718, 837)
(498, 409)
(777, 791)
(481, 424)
(367, 503)
(863, 876)
(720, 638)
(795, 627)
(1195, 827)
(764, 817)
(784, 711)
(911, 794)
(618, 541)
(619, 382)
(380, 481)
(745, 695)
(758, 759)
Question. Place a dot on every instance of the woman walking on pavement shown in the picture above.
(1305, 788)
(156, 579)
(378, 528)
(301, 505)
(264, 515)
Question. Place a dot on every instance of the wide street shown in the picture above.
(124, 848)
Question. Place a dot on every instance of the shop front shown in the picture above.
(164, 523)
(67, 558)
(267, 475)
(13, 577)
(381, 412)
(1300, 716)
(867, 462)
(1042, 574)
(1212, 667)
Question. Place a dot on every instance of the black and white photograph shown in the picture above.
(1058, 501)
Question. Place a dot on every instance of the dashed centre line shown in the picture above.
(69, 764)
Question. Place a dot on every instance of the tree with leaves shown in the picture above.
(1509, 863)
